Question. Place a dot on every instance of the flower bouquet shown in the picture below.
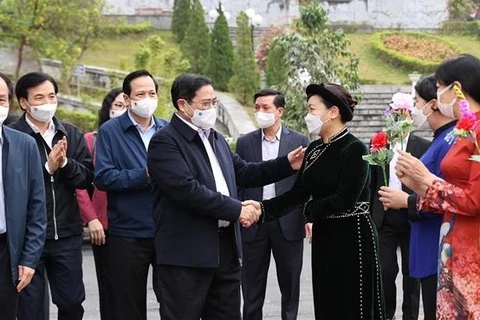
(379, 154)
(397, 118)
(466, 125)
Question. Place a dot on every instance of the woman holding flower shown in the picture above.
(458, 196)
(332, 186)
(425, 226)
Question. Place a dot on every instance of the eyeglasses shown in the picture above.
(207, 104)
(118, 106)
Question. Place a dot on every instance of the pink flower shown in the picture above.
(402, 101)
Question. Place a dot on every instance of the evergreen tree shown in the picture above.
(182, 11)
(246, 79)
(310, 53)
(220, 63)
(196, 43)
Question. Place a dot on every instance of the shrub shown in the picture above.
(85, 121)
(412, 51)
(460, 27)
(115, 29)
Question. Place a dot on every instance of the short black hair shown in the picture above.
(426, 88)
(186, 86)
(278, 101)
(463, 68)
(31, 80)
(9, 86)
(104, 112)
(333, 94)
(127, 87)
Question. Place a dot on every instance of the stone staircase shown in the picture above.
(368, 117)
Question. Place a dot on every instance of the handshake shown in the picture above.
(251, 212)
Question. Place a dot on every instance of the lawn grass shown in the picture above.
(374, 71)
(371, 69)
(119, 53)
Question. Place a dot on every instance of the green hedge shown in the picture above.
(85, 121)
(116, 29)
(460, 27)
(397, 59)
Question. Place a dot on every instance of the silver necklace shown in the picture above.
(317, 151)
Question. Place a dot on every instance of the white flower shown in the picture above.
(402, 101)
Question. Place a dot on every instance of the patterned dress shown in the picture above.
(458, 295)
(332, 185)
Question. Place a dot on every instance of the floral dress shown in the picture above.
(458, 293)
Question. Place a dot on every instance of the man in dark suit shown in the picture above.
(23, 216)
(394, 230)
(195, 176)
(282, 237)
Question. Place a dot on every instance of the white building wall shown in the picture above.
(407, 14)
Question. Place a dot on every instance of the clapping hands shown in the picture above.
(250, 213)
(57, 155)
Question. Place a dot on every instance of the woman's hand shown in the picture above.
(413, 173)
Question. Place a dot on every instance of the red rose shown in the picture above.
(379, 141)
(466, 123)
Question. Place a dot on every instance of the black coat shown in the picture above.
(63, 216)
(186, 205)
(416, 146)
(249, 148)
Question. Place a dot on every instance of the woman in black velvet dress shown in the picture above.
(332, 187)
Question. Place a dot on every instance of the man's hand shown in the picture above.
(25, 275)
(63, 151)
(295, 157)
(308, 231)
(250, 213)
(54, 158)
(95, 229)
(393, 198)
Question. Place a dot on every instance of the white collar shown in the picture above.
(152, 124)
(278, 134)
(191, 125)
(50, 128)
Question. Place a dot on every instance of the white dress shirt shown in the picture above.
(394, 182)
(220, 182)
(269, 152)
(47, 137)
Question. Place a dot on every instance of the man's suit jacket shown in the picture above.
(249, 148)
(24, 190)
(416, 146)
(186, 205)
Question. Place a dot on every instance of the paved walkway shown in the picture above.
(272, 302)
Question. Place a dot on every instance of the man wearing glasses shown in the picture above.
(197, 216)
(121, 170)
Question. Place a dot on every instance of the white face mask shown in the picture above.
(43, 112)
(446, 108)
(264, 119)
(117, 113)
(420, 119)
(144, 108)
(314, 123)
(204, 119)
(3, 114)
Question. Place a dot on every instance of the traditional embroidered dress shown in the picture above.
(458, 295)
(333, 182)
